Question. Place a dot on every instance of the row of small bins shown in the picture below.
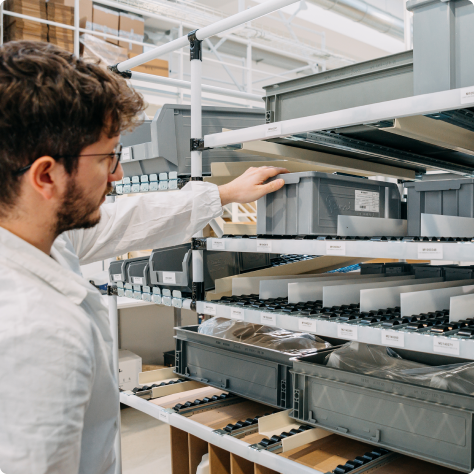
(423, 422)
(172, 267)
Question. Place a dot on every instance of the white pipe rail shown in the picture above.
(168, 81)
(225, 24)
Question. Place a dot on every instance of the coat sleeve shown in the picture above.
(153, 220)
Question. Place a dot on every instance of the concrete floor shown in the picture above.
(145, 444)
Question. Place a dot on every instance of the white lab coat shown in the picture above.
(58, 390)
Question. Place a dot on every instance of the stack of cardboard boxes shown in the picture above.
(93, 17)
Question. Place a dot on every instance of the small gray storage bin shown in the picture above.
(310, 202)
(443, 36)
(449, 197)
(257, 373)
(138, 272)
(423, 422)
(118, 269)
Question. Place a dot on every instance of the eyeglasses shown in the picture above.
(115, 155)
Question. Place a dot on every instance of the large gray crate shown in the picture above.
(310, 202)
(423, 422)
(378, 80)
(172, 267)
(450, 197)
(163, 144)
(252, 372)
(443, 35)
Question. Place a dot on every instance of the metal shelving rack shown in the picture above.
(461, 250)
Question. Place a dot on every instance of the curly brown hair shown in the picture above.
(53, 104)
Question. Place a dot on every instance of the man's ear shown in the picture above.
(46, 177)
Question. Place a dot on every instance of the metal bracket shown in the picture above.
(269, 116)
(199, 243)
(196, 178)
(127, 74)
(197, 144)
(112, 291)
(195, 49)
(198, 291)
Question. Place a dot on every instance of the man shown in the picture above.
(60, 121)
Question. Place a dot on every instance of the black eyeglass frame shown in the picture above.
(115, 154)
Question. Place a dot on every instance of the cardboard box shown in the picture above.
(131, 27)
(105, 20)
(60, 13)
(36, 8)
(157, 67)
(26, 30)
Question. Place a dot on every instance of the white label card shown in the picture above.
(118, 277)
(443, 345)
(467, 95)
(137, 280)
(169, 277)
(210, 309)
(264, 245)
(272, 130)
(164, 416)
(126, 155)
(218, 244)
(335, 247)
(237, 313)
(393, 338)
(268, 319)
(366, 201)
(430, 251)
(347, 331)
(305, 324)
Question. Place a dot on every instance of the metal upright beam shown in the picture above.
(76, 27)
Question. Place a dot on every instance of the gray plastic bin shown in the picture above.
(449, 197)
(378, 80)
(163, 144)
(138, 272)
(118, 269)
(310, 202)
(252, 372)
(443, 36)
(172, 267)
(423, 422)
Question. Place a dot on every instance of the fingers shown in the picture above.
(272, 186)
(271, 171)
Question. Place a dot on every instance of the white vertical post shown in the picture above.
(196, 155)
(76, 27)
(407, 17)
(1, 23)
(249, 67)
(181, 66)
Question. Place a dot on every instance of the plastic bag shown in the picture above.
(295, 343)
(384, 362)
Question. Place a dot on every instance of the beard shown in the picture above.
(77, 211)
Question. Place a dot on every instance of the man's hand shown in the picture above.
(249, 187)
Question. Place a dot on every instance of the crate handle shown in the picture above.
(290, 178)
(442, 185)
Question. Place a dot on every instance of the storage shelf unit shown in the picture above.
(420, 342)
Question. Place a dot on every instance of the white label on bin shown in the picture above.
(268, 319)
(444, 345)
(335, 248)
(467, 95)
(367, 201)
(393, 338)
(164, 416)
(210, 309)
(218, 244)
(237, 313)
(430, 251)
(305, 324)
(126, 155)
(137, 280)
(273, 130)
(118, 277)
(264, 245)
(169, 277)
(347, 331)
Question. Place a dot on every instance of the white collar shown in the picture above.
(36, 262)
